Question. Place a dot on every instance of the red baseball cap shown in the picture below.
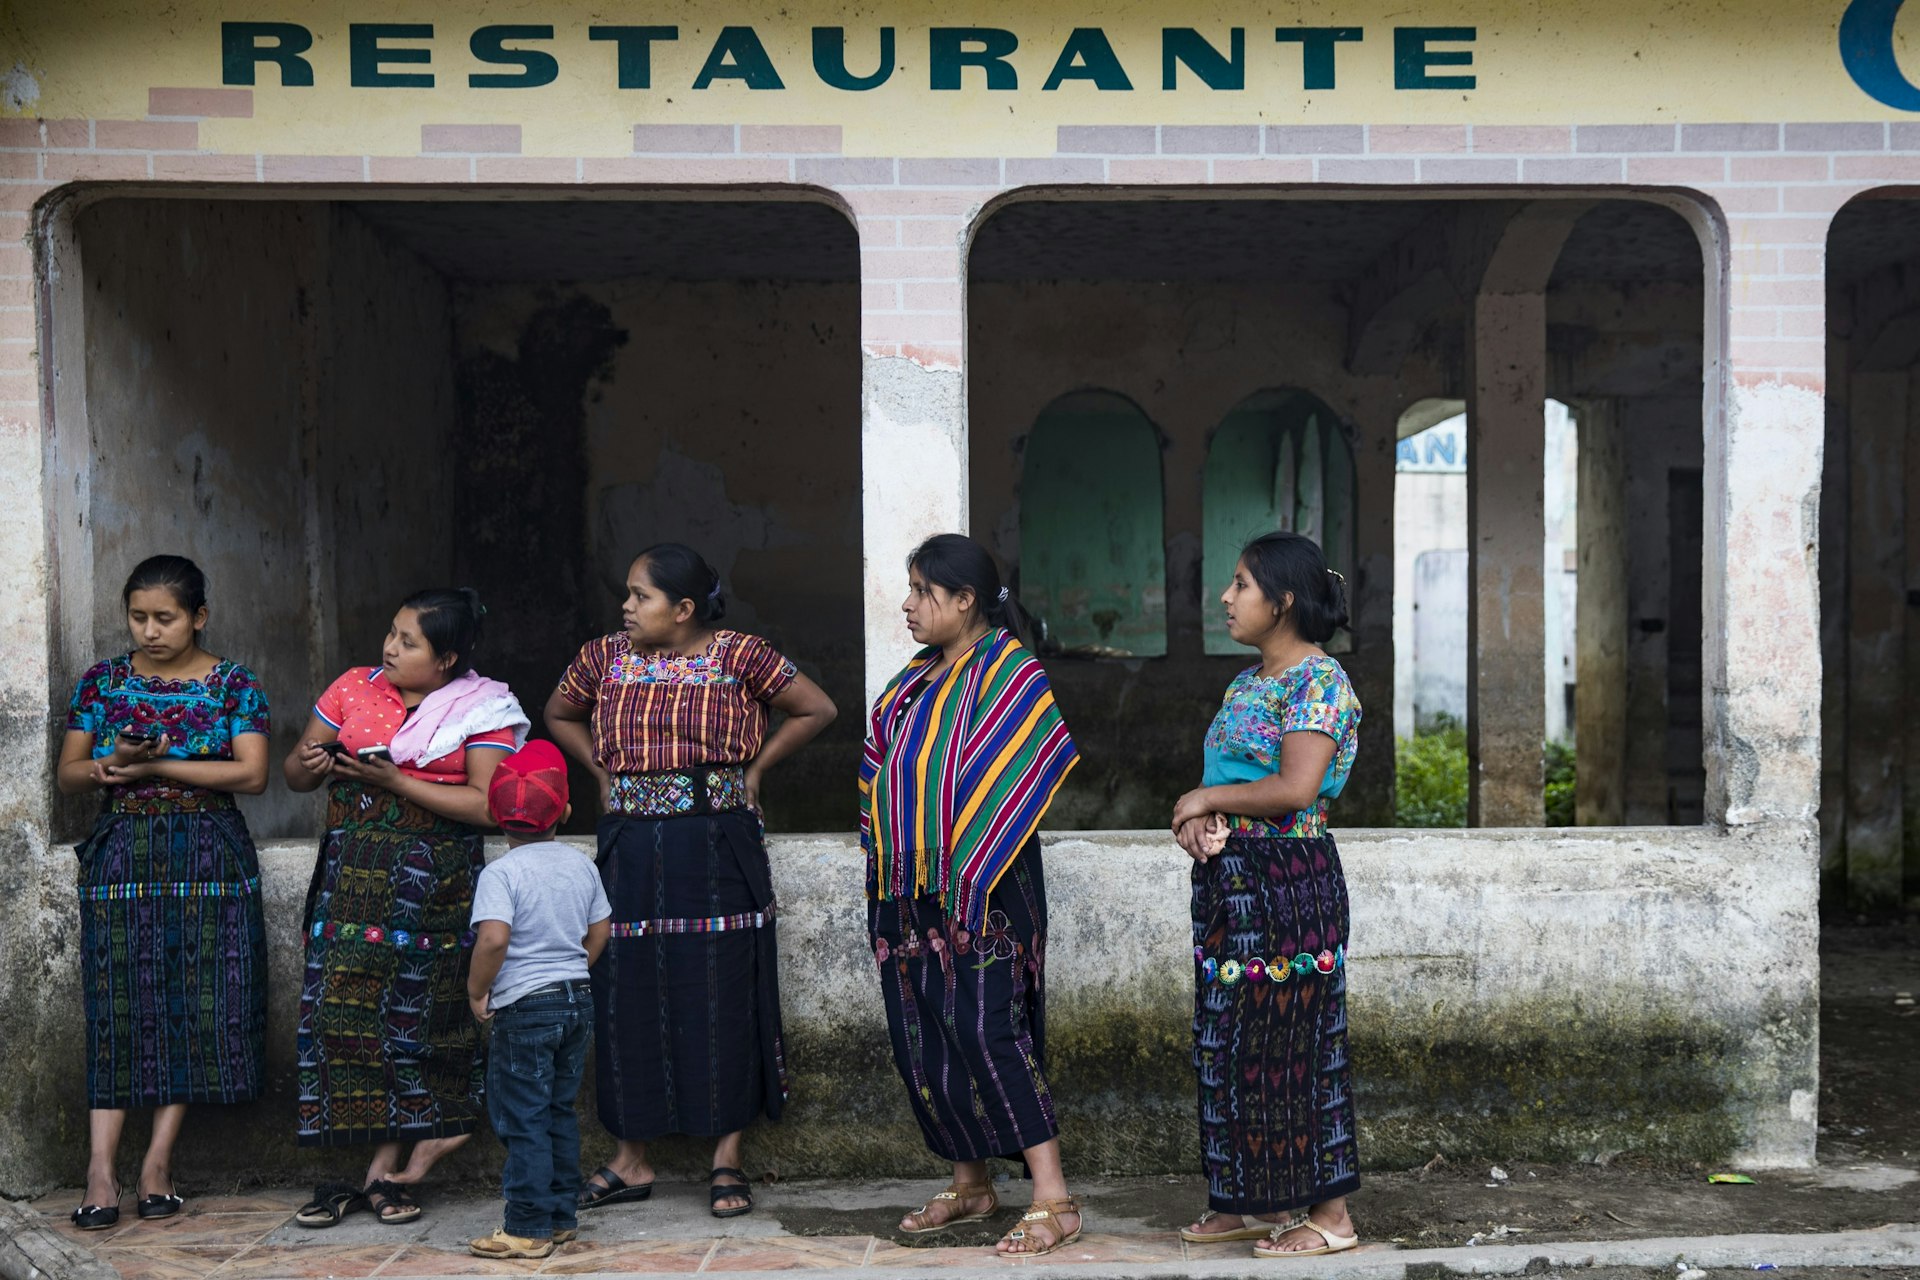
(528, 793)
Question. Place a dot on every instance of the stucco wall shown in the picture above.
(1648, 992)
(268, 392)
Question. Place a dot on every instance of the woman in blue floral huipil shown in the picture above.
(173, 948)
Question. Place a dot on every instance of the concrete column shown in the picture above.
(43, 477)
(1506, 626)
(1368, 799)
(1760, 594)
(1601, 622)
(913, 445)
(1646, 433)
(1876, 635)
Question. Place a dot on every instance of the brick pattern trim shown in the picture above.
(1777, 184)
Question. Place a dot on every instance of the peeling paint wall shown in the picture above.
(1495, 1013)
(268, 392)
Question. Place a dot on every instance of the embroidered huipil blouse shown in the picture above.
(655, 711)
(201, 718)
(1243, 744)
(366, 711)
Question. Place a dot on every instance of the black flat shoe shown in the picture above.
(616, 1191)
(96, 1217)
(727, 1191)
(158, 1206)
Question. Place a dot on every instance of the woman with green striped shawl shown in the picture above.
(964, 753)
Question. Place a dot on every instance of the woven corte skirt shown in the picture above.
(173, 955)
(388, 1049)
(687, 1034)
(1270, 1026)
(967, 1016)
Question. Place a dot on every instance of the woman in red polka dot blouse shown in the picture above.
(388, 1050)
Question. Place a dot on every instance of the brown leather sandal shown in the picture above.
(954, 1193)
(1046, 1211)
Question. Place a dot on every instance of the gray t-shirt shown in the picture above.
(547, 894)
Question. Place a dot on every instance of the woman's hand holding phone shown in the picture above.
(371, 765)
(317, 758)
(132, 748)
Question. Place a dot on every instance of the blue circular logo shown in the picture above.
(1866, 50)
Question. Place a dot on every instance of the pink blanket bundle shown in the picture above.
(447, 717)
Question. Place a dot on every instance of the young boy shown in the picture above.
(541, 918)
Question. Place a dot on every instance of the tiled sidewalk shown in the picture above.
(252, 1236)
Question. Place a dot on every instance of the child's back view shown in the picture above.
(541, 918)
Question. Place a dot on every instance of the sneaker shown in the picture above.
(502, 1245)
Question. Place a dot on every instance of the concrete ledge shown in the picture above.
(1889, 1246)
(1531, 995)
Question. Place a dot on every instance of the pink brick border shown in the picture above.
(1777, 185)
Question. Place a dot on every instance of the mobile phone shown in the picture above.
(135, 736)
(338, 750)
(374, 753)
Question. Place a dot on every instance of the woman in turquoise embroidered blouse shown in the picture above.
(1243, 743)
(172, 943)
(1270, 920)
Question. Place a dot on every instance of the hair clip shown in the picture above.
(1002, 597)
(714, 594)
(1338, 576)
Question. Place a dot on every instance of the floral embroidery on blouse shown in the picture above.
(200, 718)
(669, 668)
(1243, 743)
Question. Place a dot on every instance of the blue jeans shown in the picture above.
(533, 1075)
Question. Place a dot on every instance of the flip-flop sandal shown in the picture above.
(727, 1191)
(383, 1196)
(955, 1192)
(1253, 1229)
(1047, 1211)
(1335, 1243)
(616, 1191)
(331, 1202)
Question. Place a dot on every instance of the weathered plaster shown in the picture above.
(1761, 600)
(913, 450)
(1514, 995)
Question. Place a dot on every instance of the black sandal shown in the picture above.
(98, 1217)
(727, 1191)
(331, 1202)
(383, 1195)
(614, 1190)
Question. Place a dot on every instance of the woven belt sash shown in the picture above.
(679, 793)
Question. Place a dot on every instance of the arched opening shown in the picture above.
(328, 403)
(1870, 559)
(1093, 557)
(1279, 460)
(1431, 709)
(1374, 303)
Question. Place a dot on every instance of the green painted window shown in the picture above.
(1279, 460)
(1093, 558)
